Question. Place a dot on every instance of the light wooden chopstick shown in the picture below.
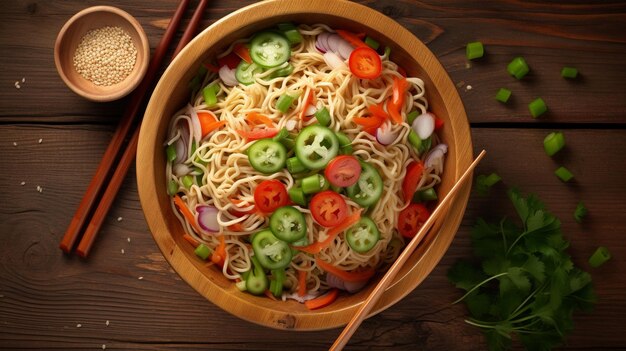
(382, 285)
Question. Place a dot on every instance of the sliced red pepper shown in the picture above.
(351, 38)
(411, 180)
(243, 52)
(323, 300)
(231, 60)
(400, 87)
(256, 134)
(211, 67)
(379, 111)
(394, 112)
(259, 118)
(438, 122)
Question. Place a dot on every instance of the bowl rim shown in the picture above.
(136, 78)
(193, 53)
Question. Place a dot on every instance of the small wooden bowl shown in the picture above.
(70, 36)
(172, 92)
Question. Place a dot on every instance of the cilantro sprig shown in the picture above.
(526, 285)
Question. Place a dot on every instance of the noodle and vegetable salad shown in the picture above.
(303, 161)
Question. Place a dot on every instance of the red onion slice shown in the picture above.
(321, 43)
(207, 218)
(181, 150)
(227, 76)
(384, 134)
(180, 170)
(196, 129)
(333, 61)
(435, 156)
(424, 125)
(333, 42)
(351, 287)
(344, 49)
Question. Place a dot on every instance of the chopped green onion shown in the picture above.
(484, 183)
(411, 116)
(312, 184)
(372, 43)
(580, 212)
(282, 72)
(297, 195)
(474, 50)
(518, 68)
(345, 144)
(503, 95)
(415, 140)
(323, 116)
(187, 181)
(325, 183)
(564, 174)
(283, 134)
(426, 195)
(210, 95)
(537, 107)
(202, 251)
(387, 52)
(290, 31)
(172, 187)
(599, 257)
(553, 143)
(294, 165)
(170, 151)
(284, 102)
(569, 72)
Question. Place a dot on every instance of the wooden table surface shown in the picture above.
(126, 296)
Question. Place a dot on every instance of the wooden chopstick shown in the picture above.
(382, 285)
(129, 154)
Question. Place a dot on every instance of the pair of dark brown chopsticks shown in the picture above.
(85, 211)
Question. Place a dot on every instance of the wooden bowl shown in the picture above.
(172, 93)
(70, 36)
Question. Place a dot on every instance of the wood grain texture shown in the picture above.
(44, 295)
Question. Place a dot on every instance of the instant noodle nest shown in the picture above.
(172, 92)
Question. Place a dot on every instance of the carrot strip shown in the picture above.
(316, 247)
(351, 38)
(323, 300)
(400, 87)
(237, 227)
(371, 121)
(186, 213)
(219, 255)
(349, 276)
(190, 239)
(258, 118)
(301, 283)
(378, 111)
(257, 134)
(308, 99)
(394, 112)
(206, 119)
(243, 52)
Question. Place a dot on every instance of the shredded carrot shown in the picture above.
(219, 255)
(186, 213)
(270, 295)
(190, 239)
(258, 118)
(394, 112)
(323, 300)
(237, 227)
(353, 276)
(308, 100)
(211, 67)
(371, 121)
(378, 110)
(351, 38)
(243, 52)
(256, 134)
(208, 122)
(208, 128)
(316, 247)
(301, 283)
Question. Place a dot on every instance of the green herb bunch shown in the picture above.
(525, 286)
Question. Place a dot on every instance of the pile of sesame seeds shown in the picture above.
(105, 56)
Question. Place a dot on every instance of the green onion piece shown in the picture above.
(518, 68)
(282, 72)
(569, 72)
(312, 184)
(484, 183)
(345, 144)
(553, 143)
(202, 251)
(387, 52)
(187, 181)
(293, 36)
(427, 195)
(170, 151)
(537, 107)
(474, 50)
(598, 258)
(411, 116)
(297, 195)
(580, 212)
(210, 95)
(294, 165)
(325, 183)
(284, 103)
(323, 116)
(564, 174)
(372, 43)
(172, 187)
(283, 134)
(503, 95)
(415, 140)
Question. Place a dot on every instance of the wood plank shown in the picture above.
(548, 36)
(46, 294)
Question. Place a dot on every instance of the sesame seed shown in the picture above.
(119, 219)
(104, 346)
(105, 56)
(469, 87)
(23, 79)
(78, 325)
(140, 278)
(40, 141)
(468, 65)
(122, 251)
(107, 323)
(23, 183)
(17, 84)
(128, 239)
(39, 189)
(14, 143)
